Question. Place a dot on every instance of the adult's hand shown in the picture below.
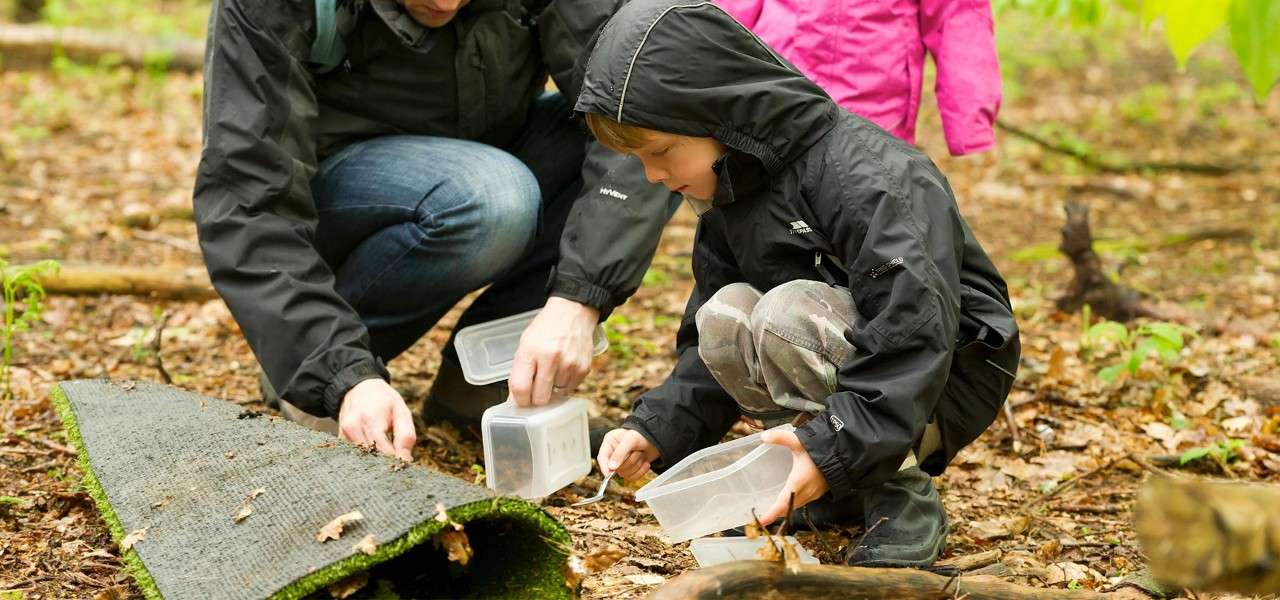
(369, 410)
(805, 481)
(554, 353)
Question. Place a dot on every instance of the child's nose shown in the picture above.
(654, 175)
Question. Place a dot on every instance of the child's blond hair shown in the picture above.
(619, 137)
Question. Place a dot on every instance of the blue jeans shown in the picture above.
(412, 224)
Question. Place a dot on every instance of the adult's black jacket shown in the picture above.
(268, 119)
(805, 182)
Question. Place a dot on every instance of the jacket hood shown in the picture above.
(688, 67)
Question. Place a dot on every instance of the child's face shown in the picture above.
(681, 163)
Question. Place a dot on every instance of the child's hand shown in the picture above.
(626, 453)
(806, 481)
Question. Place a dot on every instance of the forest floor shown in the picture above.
(82, 146)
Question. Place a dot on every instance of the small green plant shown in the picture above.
(1222, 452)
(20, 282)
(1165, 340)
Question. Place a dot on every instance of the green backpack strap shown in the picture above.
(328, 50)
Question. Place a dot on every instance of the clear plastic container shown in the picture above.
(532, 452)
(716, 488)
(709, 551)
(486, 350)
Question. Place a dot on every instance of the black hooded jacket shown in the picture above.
(269, 117)
(875, 215)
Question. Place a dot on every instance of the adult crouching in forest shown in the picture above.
(367, 164)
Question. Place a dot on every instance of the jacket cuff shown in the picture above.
(347, 378)
(582, 292)
(819, 440)
(973, 145)
(640, 426)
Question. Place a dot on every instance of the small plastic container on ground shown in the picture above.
(487, 350)
(716, 488)
(711, 551)
(532, 452)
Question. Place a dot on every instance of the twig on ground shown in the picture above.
(155, 348)
(825, 548)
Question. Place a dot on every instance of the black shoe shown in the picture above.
(907, 521)
(452, 400)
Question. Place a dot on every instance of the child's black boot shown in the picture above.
(909, 525)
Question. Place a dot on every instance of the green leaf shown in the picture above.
(1255, 39)
(1166, 331)
(1194, 454)
(1152, 10)
(1107, 330)
(1139, 354)
(1188, 23)
(1109, 374)
(1168, 352)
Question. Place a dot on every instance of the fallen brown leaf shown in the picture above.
(603, 558)
(244, 513)
(132, 539)
(574, 570)
(368, 545)
(333, 530)
(257, 492)
(456, 545)
(349, 586)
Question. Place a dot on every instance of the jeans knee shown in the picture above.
(495, 206)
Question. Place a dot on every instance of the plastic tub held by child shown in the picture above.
(716, 488)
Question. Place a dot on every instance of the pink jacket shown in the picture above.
(869, 55)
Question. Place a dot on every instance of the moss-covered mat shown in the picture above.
(181, 467)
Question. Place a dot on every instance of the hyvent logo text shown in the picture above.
(612, 193)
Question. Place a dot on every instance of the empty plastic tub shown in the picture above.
(710, 551)
(532, 452)
(716, 488)
(486, 350)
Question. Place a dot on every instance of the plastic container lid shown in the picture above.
(717, 488)
(709, 551)
(532, 452)
(487, 350)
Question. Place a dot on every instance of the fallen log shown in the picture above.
(755, 579)
(1211, 535)
(156, 282)
(36, 45)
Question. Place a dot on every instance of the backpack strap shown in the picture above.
(329, 50)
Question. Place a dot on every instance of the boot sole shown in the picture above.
(910, 564)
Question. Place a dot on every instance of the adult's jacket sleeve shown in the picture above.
(690, 410)
(613, 229)
(255, 216)
(902, 244)
(960, 35)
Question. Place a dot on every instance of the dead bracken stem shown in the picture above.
(776, 549)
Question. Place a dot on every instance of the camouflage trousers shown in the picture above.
(777, 353)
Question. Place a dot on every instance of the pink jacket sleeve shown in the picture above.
(746, 12)
(961, 37)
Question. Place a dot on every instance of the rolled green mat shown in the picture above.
(181, 467)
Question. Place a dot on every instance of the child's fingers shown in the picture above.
(630, 467)
(779, 507)
(627, 444)
(606, 451)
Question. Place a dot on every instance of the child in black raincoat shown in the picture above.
(837, 286)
